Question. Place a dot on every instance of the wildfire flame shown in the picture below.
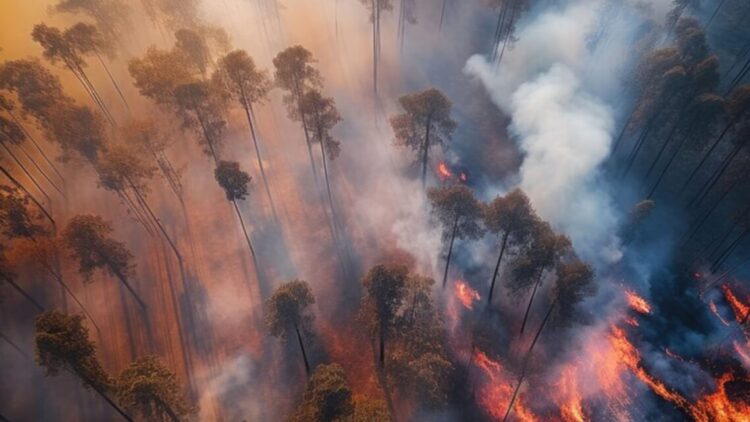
(495, 393)
(637, 303)
(740, 309)
(466, 295)
(712, 307)
(571, 410)
(443, 171)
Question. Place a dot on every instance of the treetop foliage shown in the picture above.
(288, 308)
(232, 179)
(62, 343)
(321, 116)
(246, 83)
(15, 218)
(424, 111)
(327, 396)
(457, 206)
(88, 237)
(153, 389)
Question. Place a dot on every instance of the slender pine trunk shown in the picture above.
(305, 129)
(708, 153)
(442, 14)
(30, 196)
(716, 176)
(328, 183)
(25, 170)
(132, 291)
(425, 154)
(450, 251)
(497, 267)
(249, 114)
(729, 250)
(40, 170)
(58, 277)
(381, 349)
(155, 219)
(247, 236)
(302, 348)
(666, 168)
(24, 293)
(36, 145)
(531, 300)
(114, 82)
(527, 359)
(106, 398)
(710, 211)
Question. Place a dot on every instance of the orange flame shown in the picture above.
(443, 171)
(712, 307)
(466, 295)
(637, 303)
(495, 393)
(740, 309)
(572, 409)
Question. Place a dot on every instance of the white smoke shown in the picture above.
(559, 84)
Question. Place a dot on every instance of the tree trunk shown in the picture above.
(527, 358)
(25, 171)
(328, 183)
(36, 145)
(713, 15)
(247, 237)
(61, 282)
(302, 348)
(375, 17)
(666, 168)
(299, 94)
(23, 293)
(106, 398)
(716, 176)
(381, 354)
(664, 145)
(710, 211)
(156, 220)
(30, 196)
(703, 160)
(40, 170)
(425, 157)
(497, 267)
(442, 14)
(114, 82)
(16, 347)
(167, 409)
(209, 140)
(531, 300)
(127, 285)
(450, 250)
(249, 115)
(729, 250)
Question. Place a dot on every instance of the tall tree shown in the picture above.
(426, 121)
(59, 47)
(38, 91)
(153, 389)
(111, 16)
(159, 72)
(321, 115)
(62, 343)
(198, 105)
(512, 217)
(294, 73)
(12, 133)
(121, 169)
(88, 238)
(234, 181)
(88, 40)
(574, 283)
(385, 290)
(287, 310)
(547, 249)
(508, 15)
(459, 213)
(147, 138)
(248, 86)
(327, 396)
(376, 8)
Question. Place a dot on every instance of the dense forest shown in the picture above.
(375, 210)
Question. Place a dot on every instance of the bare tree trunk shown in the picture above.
(249, 114)
(247, 236)
(381, 349)
(168, 409)
(442, 14)
(328, 183)
(36, 145)
(58, 277)
(425, 157)
(106, 398)
(729, 250)
(299, 94)
(127, 285)
(716, 176)
(497, 267)
(155, 219)
(302, 348)
(713, 15)
(450, 251)
(531, 299)
(527, 358)
(25, 170)
(710, 211)
(24, 293)
(112, 79)
(30, 196)
(40, 170)
(708, 153)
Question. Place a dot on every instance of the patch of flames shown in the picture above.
(465, 294)
(637, 303)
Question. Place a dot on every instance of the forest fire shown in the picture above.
(465, 294)
(637, 303)
(739, 309)
(496, 389)
(375, 210)
(443, 171)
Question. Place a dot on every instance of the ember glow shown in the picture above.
(739, 308)
(465, 294)
(637, 303)
(443, 171)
